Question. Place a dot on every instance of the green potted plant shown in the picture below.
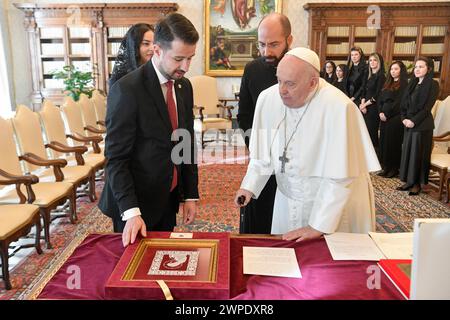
(75, 81)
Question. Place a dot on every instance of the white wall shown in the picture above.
(192, 9)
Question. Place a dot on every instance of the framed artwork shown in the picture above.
(231, 34)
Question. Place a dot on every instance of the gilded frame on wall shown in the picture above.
(231, 34)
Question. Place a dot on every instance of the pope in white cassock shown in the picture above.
(315, 140)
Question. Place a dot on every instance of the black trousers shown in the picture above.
(256, 217)
(167, 221)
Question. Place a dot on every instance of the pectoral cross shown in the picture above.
(284, 159)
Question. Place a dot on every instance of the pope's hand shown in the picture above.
(242, 198)
(383, 117)
(131, 230)
(301, 234)
(189, 211)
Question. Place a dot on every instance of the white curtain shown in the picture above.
(5, 83)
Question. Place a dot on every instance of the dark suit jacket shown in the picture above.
(138, 146)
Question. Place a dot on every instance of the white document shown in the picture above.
(177, 235)
(353, 246)
(397, 245)
(276, 262)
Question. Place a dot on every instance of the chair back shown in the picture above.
(72, 112)
(9, 160)
(88, 113)
(442, 125)
(99, 101)
(29, 134)
(53, 125)
(205, 94)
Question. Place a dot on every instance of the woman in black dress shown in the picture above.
(341, 78)
(370, 92)
(391, 127)
(135, 49)
(357, 71)
(329, 71)
(419, 99)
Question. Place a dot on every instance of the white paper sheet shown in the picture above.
(394, 245)
(353, 246)
(276, 262)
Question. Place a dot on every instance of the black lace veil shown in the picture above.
(128, 58)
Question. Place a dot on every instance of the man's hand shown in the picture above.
(242, 198)
(408, 123)
(383, 117)
(301, 234)
(131, 230)
(189, 212)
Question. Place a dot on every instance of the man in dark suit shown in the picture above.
(147, 109)
(274, 40)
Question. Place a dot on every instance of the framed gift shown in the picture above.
(159, 267)
(231, 33)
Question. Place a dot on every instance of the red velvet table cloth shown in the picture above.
(323, 278)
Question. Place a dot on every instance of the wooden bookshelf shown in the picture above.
(405, 32)
(87, 37)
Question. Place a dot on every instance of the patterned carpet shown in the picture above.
(218, 183)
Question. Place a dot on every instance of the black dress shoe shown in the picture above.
(392, 174)
(415, 190)
(382, 173)
(404, 187)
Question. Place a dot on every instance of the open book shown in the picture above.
(370, 247)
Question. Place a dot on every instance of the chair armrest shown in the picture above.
(27, 180)
(228, 108)
(200, 110)
(94, 130)
(95, 140)
(78, 150)
(57, 164)
(443, 137)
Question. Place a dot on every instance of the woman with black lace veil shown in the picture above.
(419, 99)
(135, 49)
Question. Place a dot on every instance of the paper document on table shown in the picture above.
(394, 245)
(277, 262)
(352, 246)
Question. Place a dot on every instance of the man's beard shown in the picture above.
(274, 61)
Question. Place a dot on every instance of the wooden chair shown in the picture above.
(74, 118)
(206, 103)
(53, 126)
(99, 100)
(440, 163)
(16, 221)
(46, 195)
(88, 114)
(29, 137)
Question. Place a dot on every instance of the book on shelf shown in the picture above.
(405, 47)
(50, 66)
(53, 84)
(432, 48)
(365, 32)
(49, 49)
(80, 32)
(80, 48)
(338, 31)
(84, 66)
(434, 31)
(406, 31)
(111, 66)
(367, 47)
(117, 32)
(113, 48)
(399, 272)
(341, 48)
(51, 33)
